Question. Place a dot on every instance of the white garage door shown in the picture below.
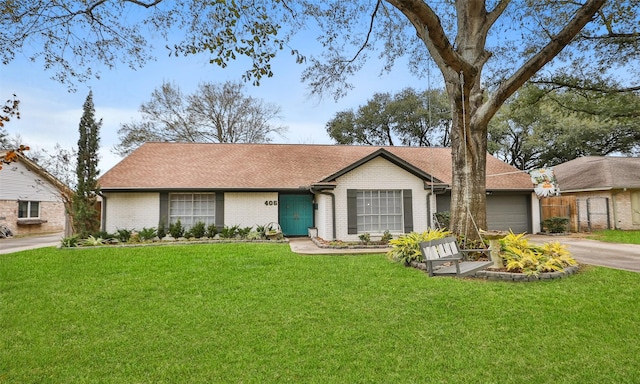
(509, 212)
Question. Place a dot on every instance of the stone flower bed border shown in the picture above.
(510, 276)
(171, 241)
(326, 244)
(488, 274)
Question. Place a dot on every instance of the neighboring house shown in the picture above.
(338, 191)
(606, 190)
(31, 199)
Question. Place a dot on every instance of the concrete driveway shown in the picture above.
(586, 251)
(15, 244)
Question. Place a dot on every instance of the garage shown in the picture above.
(506, 212)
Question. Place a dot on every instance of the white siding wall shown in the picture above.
(132, 211)
(17, 182)
(379, 174)
(248, 209)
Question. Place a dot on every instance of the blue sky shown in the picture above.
(51, 114)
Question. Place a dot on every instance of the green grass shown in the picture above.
(257, 313)
(617, 236)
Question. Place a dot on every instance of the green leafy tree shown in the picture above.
(214, 113)
(545, 127)
(484, 50)
(86, 218)
(407, 118)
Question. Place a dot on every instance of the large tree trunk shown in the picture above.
(468, 157)
(461, 64)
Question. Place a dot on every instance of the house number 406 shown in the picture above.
(271, 202)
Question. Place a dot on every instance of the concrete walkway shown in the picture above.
(585, 251)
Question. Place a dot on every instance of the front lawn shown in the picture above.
(258, 313)
(617, 236)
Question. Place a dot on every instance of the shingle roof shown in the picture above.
(276, 166)
(598, 173)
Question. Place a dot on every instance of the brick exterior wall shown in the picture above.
(594, 215)
(52, 212)
(248, 209)
(132, 211)
(379, 174)
(322, 216)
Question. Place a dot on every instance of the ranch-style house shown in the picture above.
(334, 192)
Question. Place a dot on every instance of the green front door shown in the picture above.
(296, 214)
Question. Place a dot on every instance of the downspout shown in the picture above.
(103, 214)
(333, 208)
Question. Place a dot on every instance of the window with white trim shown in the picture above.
(379, 210)
(28, 209)
(191, 208)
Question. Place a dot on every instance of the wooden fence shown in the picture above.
(561, 206)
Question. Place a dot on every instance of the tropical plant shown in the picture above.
(254, 235)
(147, 234)
(406, 248)
(522, 257)
(261, 230)
(92, 241)
(228, 232)
(70, 242)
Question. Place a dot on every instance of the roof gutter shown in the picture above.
(323, 191)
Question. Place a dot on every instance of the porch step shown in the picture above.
(466, 268)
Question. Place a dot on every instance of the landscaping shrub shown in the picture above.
(254, 235)
(244, 232)
(443, 218)
(123, 235)
(93, 241)
(386, 237)
(198, 230)
(522, 257)
(261, 229)
(147, 234)
(556, 224)
(365, 238)
(162, 230)
(229, 232)
(176, 230)
(212, 231)
(406, 248)
(70, 242)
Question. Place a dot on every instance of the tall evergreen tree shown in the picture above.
(86, 218)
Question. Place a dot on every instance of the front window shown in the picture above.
(379, 211)
(191, 208)
(28, 209)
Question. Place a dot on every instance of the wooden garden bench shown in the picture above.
(445, 250)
